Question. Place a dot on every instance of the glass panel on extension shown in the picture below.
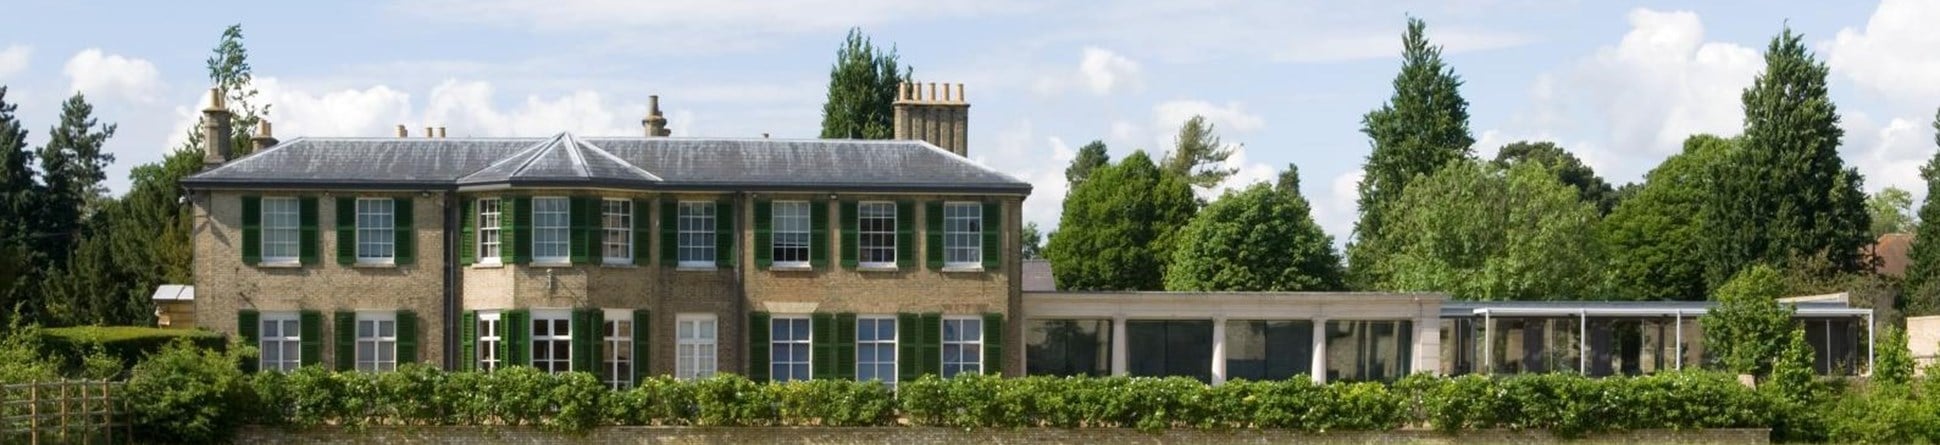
(1067, 347)
(1369, 350)
(1160, 348)
(1269, 349)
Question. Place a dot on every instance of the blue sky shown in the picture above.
(1618, 83)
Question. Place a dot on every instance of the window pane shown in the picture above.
(696, 236)
(617, 219)
(790, 231)
(962, 232)
(1369, 350)
(876, 233)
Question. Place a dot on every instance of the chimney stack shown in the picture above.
(656, 124)
(263, 139)
(429, 134)
(441, 132)
(216, 148)
(401, 132)
(939, 117)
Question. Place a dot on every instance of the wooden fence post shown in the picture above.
(63, 408)
(33, 414)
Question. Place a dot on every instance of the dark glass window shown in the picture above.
(1161, 348)
(1068, 347)
(1369, 350)
(1269, 350)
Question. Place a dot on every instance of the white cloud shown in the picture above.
(1889, 154)
(99, 74)
(1228, 122)
(697, 27)
(1340, 47)
(467, 108)
(1020, 152)
(1100, 71)
(1232, 117)
(14, 59)
(1895, 54)
(1336, 210)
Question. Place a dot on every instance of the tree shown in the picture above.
(18, 193)
(1289, 182)
(74, 167)
(1748, 328)
(862, 91)
(1590, 187)
(229, 70)
(1032, 240)
(1923, 256)
(1484, 233)
(1090, 158)
(1891, 210)
(1118, 227)
(1892, 361)
(1786, 197)
(1421, 128)
(1652, 238)
(1198, 156)
(1258, 239)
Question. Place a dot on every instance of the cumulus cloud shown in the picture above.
(697, 27)
(1231, 122)
(1100, 71)
(1336, 210)
(14, 59)
(1888, 153)
(100, 74)
(1894, 55)
(1039, 160)
(1336, 47)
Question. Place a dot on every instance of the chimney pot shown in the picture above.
(655, 123)
(263, 139)
(428, 133)
(960, 96)
(401, 132)
(441, 132)
(932, 91)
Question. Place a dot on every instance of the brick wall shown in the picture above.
(922, 436)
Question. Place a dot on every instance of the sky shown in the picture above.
(1618, 84)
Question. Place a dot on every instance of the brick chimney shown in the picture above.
(402, 132)
(655, 123)
(940, 119)
(216, 146)
(263, 139)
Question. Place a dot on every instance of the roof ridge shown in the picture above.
(540, 150)
(623, 162)
(572, 153)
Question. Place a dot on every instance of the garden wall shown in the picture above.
(466, 435)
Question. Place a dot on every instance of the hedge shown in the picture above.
(129, 344)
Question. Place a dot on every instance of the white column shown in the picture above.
(1219, 350)
(1319, 370)
(1118, 349)
(1428, 345)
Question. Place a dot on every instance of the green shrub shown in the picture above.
(410, 395)
(732, 400)
(653, 401)
(187, 394)
(72, 346)
(21, 357)
(1876, 416)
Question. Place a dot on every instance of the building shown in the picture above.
(623, 256)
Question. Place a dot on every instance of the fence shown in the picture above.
(64, 411)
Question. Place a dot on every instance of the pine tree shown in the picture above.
(74, 166)
(1420, 129)
(1090, 158)
(1198, 156)
(18, 192)
(1923, 267)
(862, 91)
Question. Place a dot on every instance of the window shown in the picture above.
(1370, 350)
(789, 348)
(376, 234)
(790, 232)
(552, 341)
(490, 333)
(962, 346)
(875, 349)
(1165, 348)
(279, 234)
(696, 234)
(550, 224)
(962, 234)
(618, 220)
(876, 234)
(1268, 349)
(377, 341)
(488, 224)
(1067, 347)
(616, 357)
(694, 346)
(280, 341)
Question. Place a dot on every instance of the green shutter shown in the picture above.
(404, 224)
(307, 243)
(407, 337)
(764, 239)
(905, 235)
(724, 219)
(993, 236)
(822, 346)
(346, 230)
(252, 229)
(468, 341)
(521, 217)
(467, 233)
(845, 346)
(909, 340)
(993, 343)
(310, 338)
(587, 324)
(508, 247)
(346, 336)
(933, 233)
(850, 241)
(248, 330)
(518, 338)
(579, 212)
(758, 347)
(818, 234)
(642, 233)
(932, 360)
(642, 343)
(669, 233)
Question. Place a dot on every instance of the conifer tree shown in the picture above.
(862, 90)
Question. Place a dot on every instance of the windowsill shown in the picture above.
(877, 268)
(374, 264)
(962, 268)
(494, 264)
(280, 264)
(551, 263)
(778, 267)
(619, 264)
(696, 268)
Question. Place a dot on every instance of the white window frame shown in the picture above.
(616, 346)
(696, 356)
(864, 235)
(491, 333)
(491, 218)
(788, 221)
(868, 341)
(286, 340)
(696, 221)
(616, 222)
(372, 343)
(783, 370)
(281, 231)
(962, 235)
(556, 356)
(552, 236)
(973, 364)
(376, 233)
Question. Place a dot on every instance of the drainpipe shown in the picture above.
(742, 267)
(450, 253)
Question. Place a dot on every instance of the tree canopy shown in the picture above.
(1118, 227)
(1891, 210)
(1567, 168)
(1923, 257)
(1090, 157)
(1652, 238)
(1256, 239)
(1481, 232)
(1198, 155)
(1748, 328)
(862, 90)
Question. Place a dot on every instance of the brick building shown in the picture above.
(622, 256)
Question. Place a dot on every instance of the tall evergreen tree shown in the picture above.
(1289, 182)
(862, 90)
(1786, 198)
(1119, 227)
(1590, 187)
(1198, 156)
(1923, 267)
(74, 166)
(18, 190)
(1421, 128)
(1090, 158)
(1653, 237)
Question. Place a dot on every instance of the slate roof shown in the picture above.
(565, 160)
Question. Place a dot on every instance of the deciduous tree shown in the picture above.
(1484, 233)
(1119, 226)
(1652, 238)
(1090, 158)
(1748, 328)
(1257, 239)
(1590, 187)
(1891, 210)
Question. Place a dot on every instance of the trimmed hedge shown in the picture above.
(129, 344)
